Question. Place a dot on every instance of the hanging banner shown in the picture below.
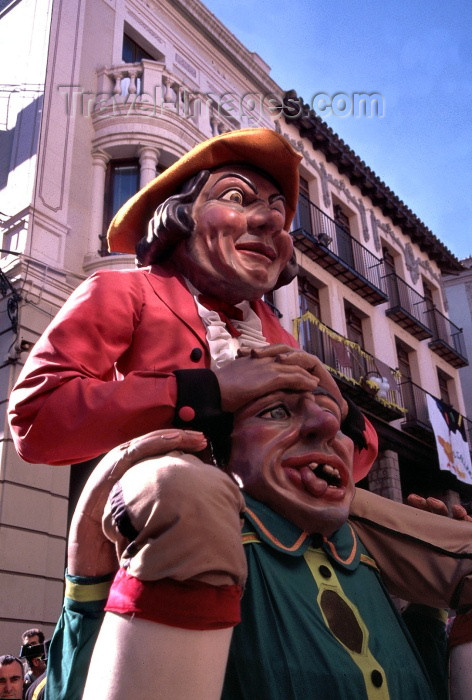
(451, 441)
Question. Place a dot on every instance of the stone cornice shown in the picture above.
(249, 63)
(324, 139)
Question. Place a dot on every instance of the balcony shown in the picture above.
(448, 339)
(371, 384)
(324, 241)
(407, 307)
(146, 90)
(416, 421)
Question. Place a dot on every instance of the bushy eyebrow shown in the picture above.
(246, 180)
(249, 183)
(319, 391)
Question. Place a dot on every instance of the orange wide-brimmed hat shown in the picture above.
(265, 149)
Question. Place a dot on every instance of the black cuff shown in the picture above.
(199, 404)
(354, 425)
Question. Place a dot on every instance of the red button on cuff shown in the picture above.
(186, 413)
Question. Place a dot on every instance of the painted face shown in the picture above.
(239, 246)
(11, 681)
(289, 453)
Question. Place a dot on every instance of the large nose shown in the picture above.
(318, 424)
(262, 219)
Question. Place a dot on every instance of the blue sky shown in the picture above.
(417, 55)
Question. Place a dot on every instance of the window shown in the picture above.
(354, 326)
(403, 360)
(430, 315)
(436, 321)
(343, 235)
(354, 333)
(132, 52)
(406, 387)
(341, 218)
(122, 182)
(443, 381)
(303, 217)
(310, 336)
(392, 280)
(309, 297)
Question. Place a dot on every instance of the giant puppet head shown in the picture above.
(288, 451)
(221, 214)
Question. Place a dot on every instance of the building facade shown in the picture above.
(113, 93)
(458, 291)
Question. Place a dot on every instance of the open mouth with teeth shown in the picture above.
(330, 474)
(319, 479)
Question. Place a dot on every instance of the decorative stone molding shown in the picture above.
(145, 25)
(412, 263)
(108, 262)
(148, 160)
(326, 178)
(100, 160)
(375, 232)
(324, 185)
(222, 39)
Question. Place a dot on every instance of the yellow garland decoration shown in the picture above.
(308, 316)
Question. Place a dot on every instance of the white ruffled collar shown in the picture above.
(223, 347)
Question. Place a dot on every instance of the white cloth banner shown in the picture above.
(451, 443)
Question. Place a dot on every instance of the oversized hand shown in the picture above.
(260, 371)
(435, 505)
(89, 552)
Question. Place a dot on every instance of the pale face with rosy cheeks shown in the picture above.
(288, 452)
(238, 247)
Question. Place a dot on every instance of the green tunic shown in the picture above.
(316, 621)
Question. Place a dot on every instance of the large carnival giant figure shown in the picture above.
(136, 350)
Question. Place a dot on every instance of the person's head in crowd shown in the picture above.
(221, 214)
(11, 677)
(32, 636)
(33, 651)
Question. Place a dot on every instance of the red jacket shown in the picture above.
(134, 326)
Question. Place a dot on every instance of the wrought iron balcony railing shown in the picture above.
(448, 339)
(371, 383)
(417, 420)
(8, 291)
(423, 320)
(417, 417)
(407, 308)
(329, 244)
